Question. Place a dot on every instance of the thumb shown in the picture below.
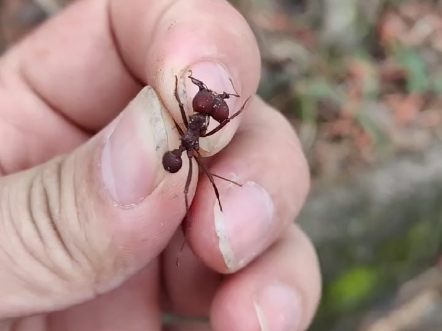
(81, 224)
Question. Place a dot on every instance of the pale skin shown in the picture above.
(89, 222)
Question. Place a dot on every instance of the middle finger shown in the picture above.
(266, 157)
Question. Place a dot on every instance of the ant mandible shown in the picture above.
(206, 104)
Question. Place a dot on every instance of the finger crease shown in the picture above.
(39, 200)
(21, 73)
(116, 45)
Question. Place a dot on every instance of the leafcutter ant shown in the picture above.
(206, 104)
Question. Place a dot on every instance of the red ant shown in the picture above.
(206, 104)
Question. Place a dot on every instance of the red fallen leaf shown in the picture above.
(430, 119)
(280, 22)
(389, 71)
(415, 10)
(358, 73)
(306, 37)
(337, 128)
(405, 107)
(359, 69)
(391, 28)
(363, 140)
(343, 127)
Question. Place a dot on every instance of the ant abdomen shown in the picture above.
(172, 162)
(206, 103)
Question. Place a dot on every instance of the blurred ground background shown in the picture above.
(361, 81)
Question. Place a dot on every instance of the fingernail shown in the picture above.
(278, 308)
(245, 224)
(217, 78)
(132, 153)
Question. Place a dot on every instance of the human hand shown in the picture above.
(89, 225)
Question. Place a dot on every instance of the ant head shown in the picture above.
(220, 110)
(172, 161)
(208, 103)
(203, 102)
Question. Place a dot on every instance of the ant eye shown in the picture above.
(172, 162)
(220, 112)
(203, 102)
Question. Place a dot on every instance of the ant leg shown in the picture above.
(226, 179)
(198, 83)
(231, 82)
(203, 166)
(186, 201)
(226, 95)
(188, 180)
(206, 125)
(177, 97)
(181, 132)
(224, 123)
(218, 176)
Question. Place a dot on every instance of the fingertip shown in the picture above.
(279, 291)
(233, 308)
(261, 303)
(201, 41)
(214, 51)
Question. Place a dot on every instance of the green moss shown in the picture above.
(352, 287)
(414, 244)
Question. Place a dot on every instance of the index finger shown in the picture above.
(89, 61)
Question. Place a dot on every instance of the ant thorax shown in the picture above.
(197, 122)
(197, 126)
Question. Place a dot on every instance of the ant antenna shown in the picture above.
(197, 82)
